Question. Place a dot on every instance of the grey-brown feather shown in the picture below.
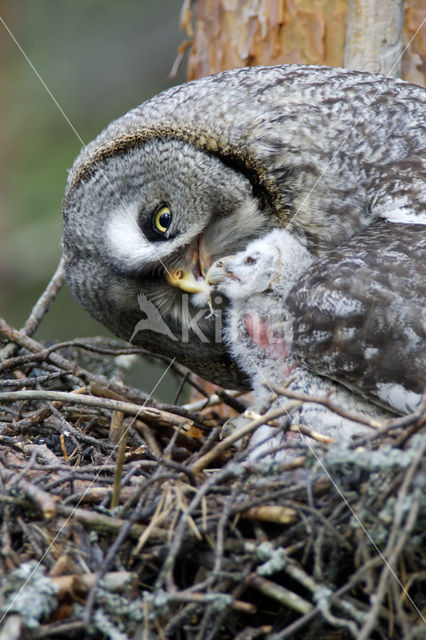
(359, 313)
(266, 350)
(325, 151)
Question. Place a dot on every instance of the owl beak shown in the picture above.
(193, 279)
(185, 279)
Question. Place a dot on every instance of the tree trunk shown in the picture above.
(373, 36)
(237, 33)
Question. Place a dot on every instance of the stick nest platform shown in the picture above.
(124, 518)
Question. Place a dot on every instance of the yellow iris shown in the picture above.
(162, 219)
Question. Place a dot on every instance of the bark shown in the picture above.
(224, 34)
(373, 36)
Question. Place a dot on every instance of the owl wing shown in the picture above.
(359, 314)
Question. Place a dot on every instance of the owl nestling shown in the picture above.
(259, 334)
(199, 171)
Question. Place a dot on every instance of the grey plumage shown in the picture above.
(359, 314)
(259, 331)
(323, 152)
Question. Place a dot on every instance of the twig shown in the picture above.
(325, 401)
(67, 365)
(393, 549)
(277, 592)
(119, 466)
(149, 414)
(44, 500)
(40, 308)
(43, 304)
(226, 443)
(102, 523)
(211, 401)
(231, 401)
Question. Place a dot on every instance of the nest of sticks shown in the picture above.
(124, 518)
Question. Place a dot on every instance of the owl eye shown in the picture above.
(162, 219)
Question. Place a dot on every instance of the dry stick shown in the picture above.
(323, 594)
(231, 401)
(166, 573)
(395, 552)
(281, 594)
(249, 633)
(31, 382)
(116, 426)
(354, 580)
(40, 308)
(196, 418)
(387, 571)
(57, 629)
(149, 414)
(99, 385)
(416, 418)
(103, 523)
(211, 401)
(311, 433)
(325, 401)
(238, 605)
(220, 532)
(149, 438)
(42, 451)
(125, 530)
(222, 446)
(119, 468)
(297, 428)
(19, 338)
(182, 383)
(44, 500)
(112, 552)
(44, 303)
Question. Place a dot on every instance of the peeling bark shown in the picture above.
(234, 33)
(373, 41)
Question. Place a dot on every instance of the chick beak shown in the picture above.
(218, 271)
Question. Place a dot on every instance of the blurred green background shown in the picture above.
(99, 58)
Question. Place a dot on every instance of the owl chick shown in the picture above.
(335, 156)
(259, 333)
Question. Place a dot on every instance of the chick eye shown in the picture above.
(251, 260)
(162, 219)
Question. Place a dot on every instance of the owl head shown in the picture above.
(152, 220)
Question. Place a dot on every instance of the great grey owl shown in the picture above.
(259, 332)
(334, 156)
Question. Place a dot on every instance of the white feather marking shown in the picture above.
(405, 216)
(397, 396)
(125, 237)
(370, 352)
(400, 210)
